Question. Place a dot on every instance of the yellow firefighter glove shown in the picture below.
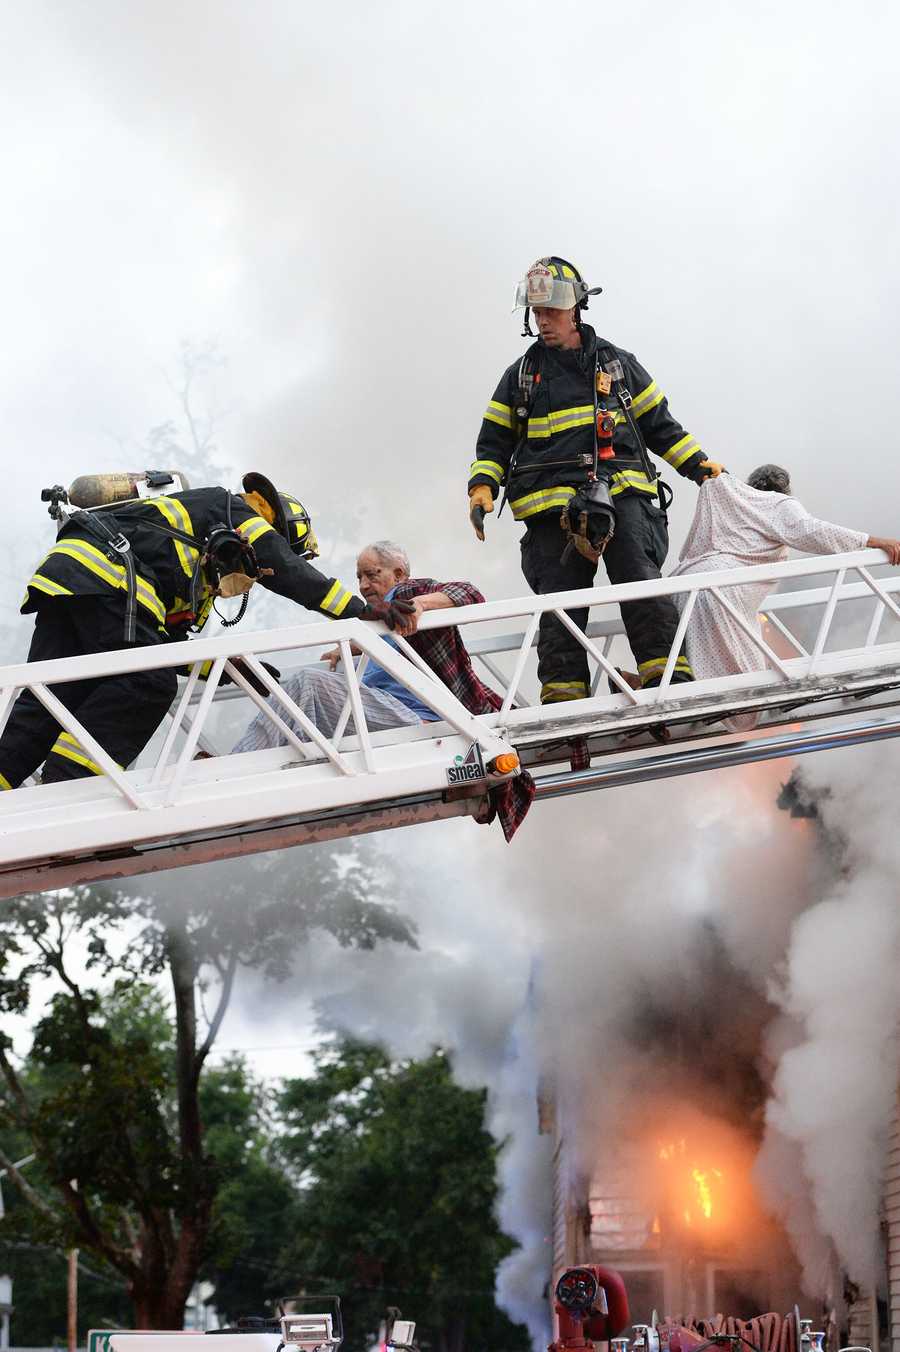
(481, 502)
(712, 467)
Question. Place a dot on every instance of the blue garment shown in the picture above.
(377, 678)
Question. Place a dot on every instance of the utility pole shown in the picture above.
(72, 1302)
(72, 1294)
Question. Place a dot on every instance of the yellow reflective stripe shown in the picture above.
(90, 557)
(625, 479)
(488, 467)
(67, 747)
(647, 399)
(203, 612)
(637, 475)
(4, 782)
(501, 414)
(561, 420)
(178, 517)
(336, 599)
(541, 501)
(253, 528)
(659, 664)
(553, 692)
(538, 427)
(178, 606)
(114, 573)
(68, 753)
(681, 451)
(330, 595)
(46, 584)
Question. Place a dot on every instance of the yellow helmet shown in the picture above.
(289, 517)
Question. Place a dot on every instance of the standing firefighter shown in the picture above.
(567, 433)
(144, 572)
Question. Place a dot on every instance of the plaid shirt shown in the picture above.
(445, 652)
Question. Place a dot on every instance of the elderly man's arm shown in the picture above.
(427, 594)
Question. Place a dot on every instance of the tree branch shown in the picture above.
(119, 1258)
(131, 1232)
(15, 1086)
(224, 999)
(31, 1196)
(54, 959)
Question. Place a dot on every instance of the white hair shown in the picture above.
(391, 553)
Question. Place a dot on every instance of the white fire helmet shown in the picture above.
(554, 283)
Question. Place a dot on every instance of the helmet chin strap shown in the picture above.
(526, 328)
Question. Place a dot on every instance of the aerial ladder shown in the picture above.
(829, 636)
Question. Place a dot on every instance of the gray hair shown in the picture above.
(390, 553)
(770, 479)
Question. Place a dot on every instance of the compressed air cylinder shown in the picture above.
(101, 490)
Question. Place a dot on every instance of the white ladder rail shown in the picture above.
(323, 782)
(652, 763)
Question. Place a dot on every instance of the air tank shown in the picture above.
(102, 490)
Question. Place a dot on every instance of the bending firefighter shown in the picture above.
(567, 433)
(144, 572)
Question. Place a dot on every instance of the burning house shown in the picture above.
(663, 1183)
(677, 1216)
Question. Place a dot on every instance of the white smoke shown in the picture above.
(536, 968)
(834, 1087)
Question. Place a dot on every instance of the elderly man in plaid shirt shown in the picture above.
(383, 572)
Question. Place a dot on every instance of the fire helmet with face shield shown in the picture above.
(554, 283)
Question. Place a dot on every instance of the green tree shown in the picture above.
(256, 1203)
(39, 1273)
(110, 1097)
(398, 1178)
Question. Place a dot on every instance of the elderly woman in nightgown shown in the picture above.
(737, 524)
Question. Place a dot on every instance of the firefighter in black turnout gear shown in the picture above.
(566, 434)
(144, 572)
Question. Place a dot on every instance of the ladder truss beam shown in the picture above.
(172, 809)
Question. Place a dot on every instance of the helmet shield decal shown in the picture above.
(539, 284)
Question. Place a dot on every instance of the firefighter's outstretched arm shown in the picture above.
(298, 580)
(493, 452)
(664, 434)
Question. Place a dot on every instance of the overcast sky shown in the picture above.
(343, 198)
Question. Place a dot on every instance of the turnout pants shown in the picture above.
(121, 712)
(637, 551)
